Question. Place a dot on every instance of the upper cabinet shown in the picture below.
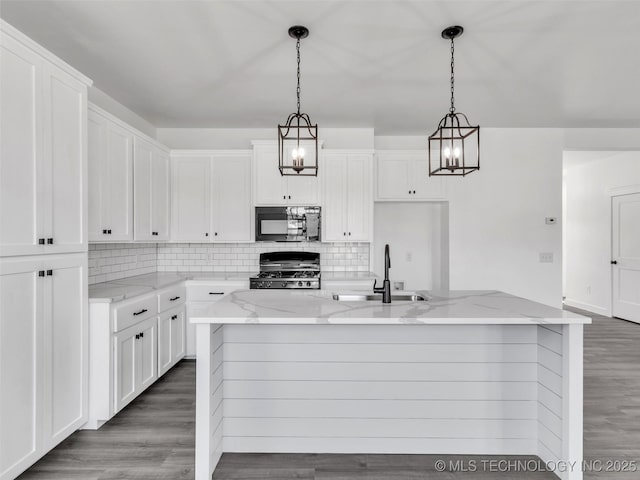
(110, 178)
(347, 214)
(151, 191)
(272, 188)
(403, 175)
(42, 150)
(211, 196)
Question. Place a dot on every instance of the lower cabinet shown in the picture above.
(43, 356)
(136, 360)
(132, 343)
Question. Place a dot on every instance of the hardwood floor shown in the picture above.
(153, 438)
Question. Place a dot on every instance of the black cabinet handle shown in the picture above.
(173, 299)
(50, 241)
(289, 197)
(104, 232)
(140, 312)
(215, 234)
(49, 273)
(284, 197)
(141, 334)
(41, 273)
(137, 336)
(216, 293)
(109, 231)
(344, 233)
(41, 241)
(206, 234)
(174, 317)
(414, 192)
(614, 262)
(409, 192)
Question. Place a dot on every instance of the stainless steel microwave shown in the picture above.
(287, 224)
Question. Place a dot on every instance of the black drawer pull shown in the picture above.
(140, 312)
(137, 336)
(141, 334)
(174, 317)
(41, 241)
(216, 293)
(49, 273)
(50, 241)
(41, 273)
(173, 299)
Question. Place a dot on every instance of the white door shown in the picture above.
(393, 177)
(269, 185)
(178, 330)
(20, 378)
(97, 175)
(20, 149)
(165, 323)
(334, 211)
(119, 198)
(65, 109)
(125, 344)
(160, 198)
(359, 198)
(142, 189)
(191, 199)
(66, 348)
(231, 198)
(425, 187)
(147, 353)
(626, 256)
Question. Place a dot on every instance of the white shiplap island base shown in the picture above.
(463, 373)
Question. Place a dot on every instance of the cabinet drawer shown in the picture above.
(211, 292)
(172, 297)
(133, 312)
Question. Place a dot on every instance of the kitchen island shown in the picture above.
(479, 372)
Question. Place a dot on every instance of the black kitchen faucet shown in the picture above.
(385, 290)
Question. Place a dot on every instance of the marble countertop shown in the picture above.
(318, 307)
(124, 288)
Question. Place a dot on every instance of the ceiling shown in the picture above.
(367, 63)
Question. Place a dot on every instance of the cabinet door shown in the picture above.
(65, 109)
(66, 347)
(20, 149)
(118, 201)
(190, 198)
(20, 365)
(334, 211)
(160, 199)
(97, 175)
(269, 185)
(231, 181)
(393, 177)
(426, 187)
(165, 356)
(359, 201)
(147, 353)
(142, 189)
(303, 190)
(178, 330)
(125, 344)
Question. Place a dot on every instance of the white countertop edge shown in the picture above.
(390, 321)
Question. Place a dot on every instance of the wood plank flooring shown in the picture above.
(153, 438)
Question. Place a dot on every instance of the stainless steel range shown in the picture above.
(288, 270)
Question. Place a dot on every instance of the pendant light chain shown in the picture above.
(452, 109)
(298, 89)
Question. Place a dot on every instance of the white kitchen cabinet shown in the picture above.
(151, 191)
(403, 175)
(136, 365)
(348, 204)
(231, 197)
(42, 150)
(272, 188)
(43, 355)
(110, 178)
(211, 196)
(171, 338)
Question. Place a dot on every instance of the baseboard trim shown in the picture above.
(586, 306)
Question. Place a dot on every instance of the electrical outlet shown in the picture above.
(546, 257)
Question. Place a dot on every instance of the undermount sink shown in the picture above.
(375, 297)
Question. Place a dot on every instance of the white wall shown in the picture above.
(230, 138)
(589, 179)
(414, 232)
(104, 101)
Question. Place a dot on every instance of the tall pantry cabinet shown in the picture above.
(43, 251)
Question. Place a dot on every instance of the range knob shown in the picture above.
(268, 284)
(308, 284)
(299, 284)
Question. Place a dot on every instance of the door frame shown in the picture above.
(616, 192)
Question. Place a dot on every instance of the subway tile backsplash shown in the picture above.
(235, 257)
(112, 261)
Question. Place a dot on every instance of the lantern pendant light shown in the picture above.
(454, 148)
(298, 138)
